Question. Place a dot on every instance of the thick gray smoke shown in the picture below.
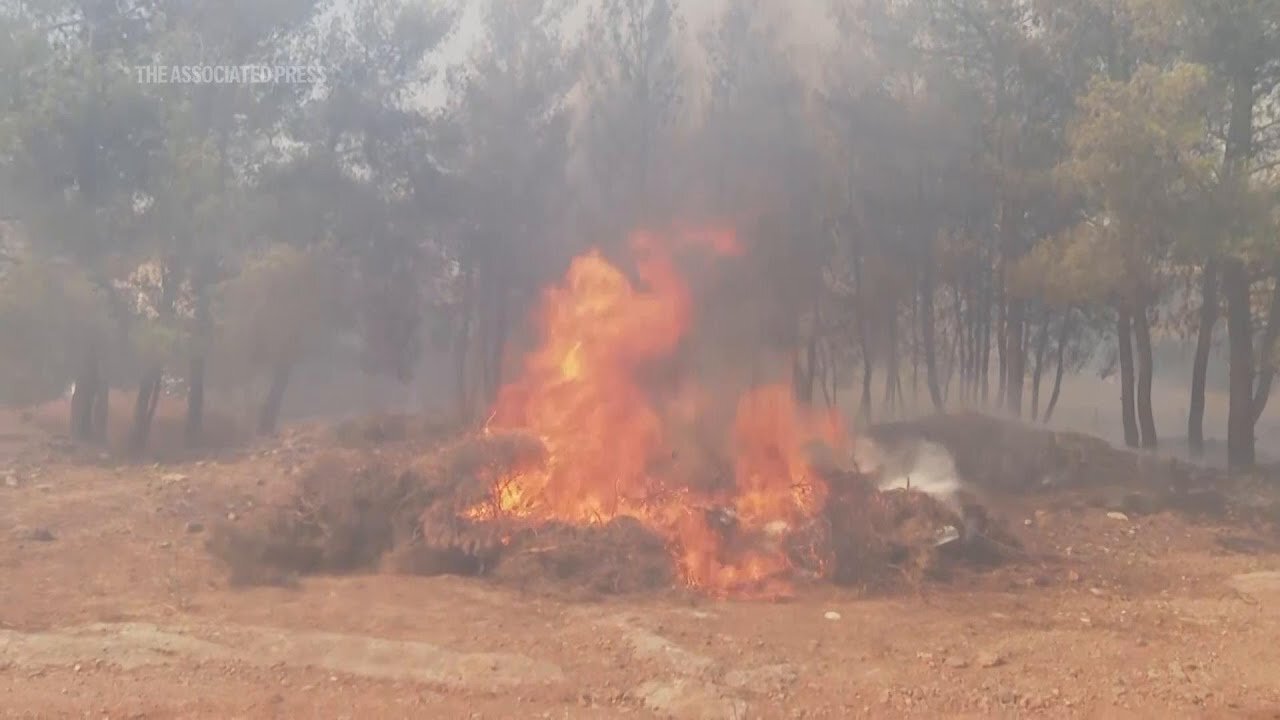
(917, 464)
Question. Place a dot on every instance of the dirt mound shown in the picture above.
(1009, 456)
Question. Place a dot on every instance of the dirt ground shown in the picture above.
(110, 606)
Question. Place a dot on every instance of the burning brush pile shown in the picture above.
(597, 469)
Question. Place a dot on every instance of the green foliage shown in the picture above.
(1138, 158)
(283, 304)
(51, 317)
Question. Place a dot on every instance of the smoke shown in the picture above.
(916, 464)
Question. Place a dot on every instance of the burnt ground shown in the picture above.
(1146, 590)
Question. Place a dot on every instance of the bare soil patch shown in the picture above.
(1117, 600)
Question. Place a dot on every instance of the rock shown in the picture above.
(990, 659)
(688, 699)
(1116, 515)
(767, 679)
(45, 487)
(173, 478)
(957, 662)
(35, 534)
(194, 527)
(11, 480)
(831, 615)
(232, 516)
(164, 544)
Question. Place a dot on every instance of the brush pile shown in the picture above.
(357, 513)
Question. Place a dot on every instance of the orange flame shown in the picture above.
(581, 392)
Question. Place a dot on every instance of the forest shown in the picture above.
(965, 199)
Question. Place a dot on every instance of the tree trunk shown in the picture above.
(1240, 441)
(891, 379)
(494, 339)
(83, 396)
(1235, 279)
(1042, 347)
(1016, 361)
(101, 409)
(984, 334)
(915, 352)
(1146, 368)
(1002, 358)
(1267, 370)
(1063, 338)
(1200, 366)
(962, 343)
(927, 335)
(1124, 334)
(195, 400)
(195, 378)
(864, 339)
(868, 373)
(144, 410)
(269, 416)
(462, 355)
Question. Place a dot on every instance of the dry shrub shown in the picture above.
(619, 557)
(344, 516)
(361, 513)
(352, 514)
(385, 428)
(880, 538)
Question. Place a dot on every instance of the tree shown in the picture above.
(1136, 156)
(51, 312)
(282, 305)
(634, 87)
(81, 136)
(511, 117)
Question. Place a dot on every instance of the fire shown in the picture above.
(584, 393)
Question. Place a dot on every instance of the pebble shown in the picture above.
(194, 527)
(957, 662)
(990, 659)
(1118, 516)
(11, 480)
(232, 516)
(832, 615)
